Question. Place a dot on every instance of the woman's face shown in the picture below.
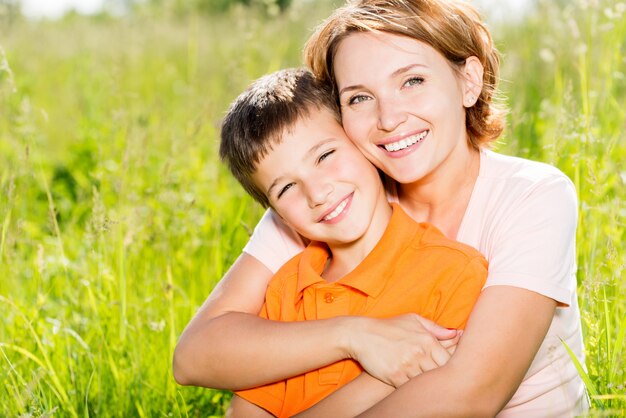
(403, 104)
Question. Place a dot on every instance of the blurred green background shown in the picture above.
(117, 219)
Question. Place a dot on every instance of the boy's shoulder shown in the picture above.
(286, 273)
(433, 238)
(309, 261)
(425, 234)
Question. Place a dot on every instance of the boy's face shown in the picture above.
(320, 183)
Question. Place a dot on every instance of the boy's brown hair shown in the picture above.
(259, 117)
(452, 27)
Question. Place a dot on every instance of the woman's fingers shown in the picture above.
(426, 364)
(396, 349)
(451, 344)
(421, 364)
(435, 330)
(439, 356)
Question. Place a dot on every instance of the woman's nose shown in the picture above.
(389, 115)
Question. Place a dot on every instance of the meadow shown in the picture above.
(117, 219)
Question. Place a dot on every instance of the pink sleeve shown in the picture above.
(536, 243)
(273, 243)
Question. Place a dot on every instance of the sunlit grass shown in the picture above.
(570, 112)
(116, 219)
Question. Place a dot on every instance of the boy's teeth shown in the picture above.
(406, 142)
(337, 211)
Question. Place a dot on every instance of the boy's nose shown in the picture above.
(318, 192)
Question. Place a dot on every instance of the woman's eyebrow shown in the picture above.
(406, 69)
(351, 88)
(396, 73)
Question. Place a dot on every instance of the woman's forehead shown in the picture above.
(382, 53)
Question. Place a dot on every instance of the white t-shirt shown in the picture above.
(522, 216)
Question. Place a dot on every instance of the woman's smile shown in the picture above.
(407, 143)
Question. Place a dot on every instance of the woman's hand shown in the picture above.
(398, 348)
(489, 365)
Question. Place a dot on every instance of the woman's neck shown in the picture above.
(441, 198)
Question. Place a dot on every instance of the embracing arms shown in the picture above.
(226, 345)
(505, 330)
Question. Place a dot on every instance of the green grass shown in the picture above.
(116, 219)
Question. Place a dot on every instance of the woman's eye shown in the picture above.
(284, 189)
(325, 155)
(414, 81)
(358, 99)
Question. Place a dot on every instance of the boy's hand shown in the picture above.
(397, 349)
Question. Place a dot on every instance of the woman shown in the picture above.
(415, 81)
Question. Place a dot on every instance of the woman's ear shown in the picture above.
(472, 73)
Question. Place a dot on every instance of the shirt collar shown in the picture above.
(311, 266)
(371, 275)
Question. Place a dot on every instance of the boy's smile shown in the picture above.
(336, 214)
(322, 185)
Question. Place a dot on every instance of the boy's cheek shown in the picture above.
(283, 216)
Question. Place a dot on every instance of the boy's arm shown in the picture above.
(241, 408)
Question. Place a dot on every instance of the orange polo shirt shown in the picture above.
(413, 268)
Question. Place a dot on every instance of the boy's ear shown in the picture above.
(472, 73)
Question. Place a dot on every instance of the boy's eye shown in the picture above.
(413, 81)
(325, 155)
(358, 99)
(284, 189)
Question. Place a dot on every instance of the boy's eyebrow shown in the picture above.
(320, 144)
(396, 73)
(310, 152)
(269, 190)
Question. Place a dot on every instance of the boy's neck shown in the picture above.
(346, 257)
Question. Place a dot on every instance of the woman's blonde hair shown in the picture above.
(452, 27)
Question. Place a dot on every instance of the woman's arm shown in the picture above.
(359, 395)
(241, 408)
(226, 345)
(505, 330)
(351, 399)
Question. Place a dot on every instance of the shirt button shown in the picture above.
(328, 297)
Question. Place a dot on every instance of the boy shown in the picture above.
(283, 141)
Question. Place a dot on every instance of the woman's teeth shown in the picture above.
(406, 142)
(337, 211)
